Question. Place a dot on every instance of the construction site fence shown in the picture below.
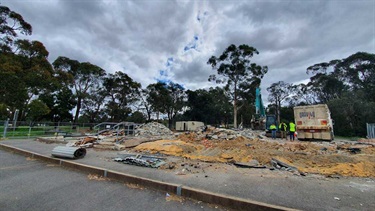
(370, 130)
(12, 129)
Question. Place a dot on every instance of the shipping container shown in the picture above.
(188, 125)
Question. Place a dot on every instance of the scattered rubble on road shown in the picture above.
(141, 160)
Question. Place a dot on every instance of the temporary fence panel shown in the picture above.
(370, 130)
(22, 129)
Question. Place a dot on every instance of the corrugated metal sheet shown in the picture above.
(370, 130)
(68, 152)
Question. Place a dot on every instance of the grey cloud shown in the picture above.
(142, 35)
(194, 72)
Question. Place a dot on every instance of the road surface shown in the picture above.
(27, 184)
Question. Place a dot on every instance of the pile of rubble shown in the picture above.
(141, 160)
(213, 133)
(153, 129)
(222, 134)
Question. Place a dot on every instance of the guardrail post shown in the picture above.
(28, 135)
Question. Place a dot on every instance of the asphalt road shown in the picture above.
(27, 184)
(311, 192)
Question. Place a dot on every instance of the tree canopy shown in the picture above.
(235, 70)
(11, 23)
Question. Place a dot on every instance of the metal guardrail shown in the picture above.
(370, 130)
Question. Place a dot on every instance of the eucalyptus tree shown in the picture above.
(235, 70)
(347, 86)
(81, 78)
(278, 93)
(212, 106)
(11, 24)
(356, 72)
(25, 74)
(122, 91)
(166, 99)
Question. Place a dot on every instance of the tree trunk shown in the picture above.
(235, 114)
(170, 124)
(235, 106)
(79, 104)
(278, 105)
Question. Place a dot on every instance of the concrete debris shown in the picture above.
(227, 134)
(140, 160)
(153, 129)
(251, 164)
(282, 165)
(202, 129)
(86, 142)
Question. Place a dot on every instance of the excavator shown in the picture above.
(261, 121)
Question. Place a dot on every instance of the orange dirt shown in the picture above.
(305, 156)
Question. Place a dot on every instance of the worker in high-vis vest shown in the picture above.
(292, 130)
(283, 128)
(273, 130)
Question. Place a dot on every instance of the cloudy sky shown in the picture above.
(154, 40)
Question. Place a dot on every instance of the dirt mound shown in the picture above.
(168, 147)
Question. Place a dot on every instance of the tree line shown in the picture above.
(41, 90)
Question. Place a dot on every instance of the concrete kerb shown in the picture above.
(197, 194)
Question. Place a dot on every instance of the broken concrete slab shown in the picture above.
(280, 165)
(140, 160)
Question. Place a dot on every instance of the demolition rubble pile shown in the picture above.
(228, 146)
(115, 140)
(153, 129)
(244, 148)
(213, 133)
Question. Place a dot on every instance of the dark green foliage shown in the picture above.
(122, 91)
(350, 114)
(209, 106)
(36, 110)
(81, 78)
(166, 99)
(137, 117)
(348, 87)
